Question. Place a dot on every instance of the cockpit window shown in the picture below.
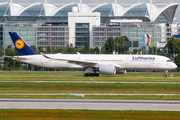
(169, 60)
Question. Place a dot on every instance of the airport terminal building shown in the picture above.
(44, 24)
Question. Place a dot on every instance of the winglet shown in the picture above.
(21, 46)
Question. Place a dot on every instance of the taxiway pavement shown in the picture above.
(159, 105)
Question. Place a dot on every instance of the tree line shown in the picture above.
(173, 45)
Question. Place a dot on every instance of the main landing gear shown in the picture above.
(91, 75)
(165, 74)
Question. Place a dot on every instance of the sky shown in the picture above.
(177, 15)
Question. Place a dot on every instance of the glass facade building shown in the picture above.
(26, 30)
(44, 24)
(36, 33)
(134, 31)
(82, 34)
(52, 36)
(4, 10)
(139, 10)
(102, 33)
(105, 10)
(64, 11)
(35, 10)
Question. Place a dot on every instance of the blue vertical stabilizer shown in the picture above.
(21, 46)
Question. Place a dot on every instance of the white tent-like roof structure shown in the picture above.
(68, 8)
(147, 10)
(10, 9)
(39, 9)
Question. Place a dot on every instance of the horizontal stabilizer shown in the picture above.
(16, 58)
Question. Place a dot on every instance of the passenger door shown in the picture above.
(158, 61)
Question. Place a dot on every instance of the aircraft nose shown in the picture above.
(174, 65)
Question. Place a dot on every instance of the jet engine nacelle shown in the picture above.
(107, 69)
(120, 71)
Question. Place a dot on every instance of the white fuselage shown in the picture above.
(125, 62)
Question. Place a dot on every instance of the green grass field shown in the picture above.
(121, 79)
(109, 97)
(137, 88)
(24, 114)
(29, 87)
(78, 76)
(78, 73)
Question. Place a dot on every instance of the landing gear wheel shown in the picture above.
(86, 75)
(164, 75)
(91, 74)
(96, 74)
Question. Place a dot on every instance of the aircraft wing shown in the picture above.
(80, 62)
(16, 58)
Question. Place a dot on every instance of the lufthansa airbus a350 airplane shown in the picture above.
(102, 63)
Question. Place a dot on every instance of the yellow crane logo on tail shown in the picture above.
(19, 44)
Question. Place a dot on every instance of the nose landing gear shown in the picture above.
(165, 74)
